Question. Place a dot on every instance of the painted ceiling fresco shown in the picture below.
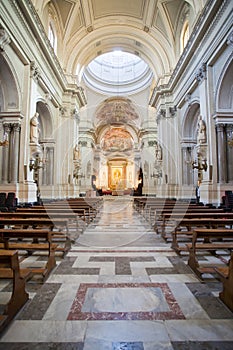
(117, 139)
(116, 111)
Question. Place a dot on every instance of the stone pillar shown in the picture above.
(44, 169)
(229, 135)
(50, 156)
(14, 157)
(5, 154)
(187, 172)
(221, 153)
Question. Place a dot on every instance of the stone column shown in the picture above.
(50, 156)
(5, 154)
(44, 169)
(14, 157)
(221, 146)
(229, 132)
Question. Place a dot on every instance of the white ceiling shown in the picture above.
(148, 28)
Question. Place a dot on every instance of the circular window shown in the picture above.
(118, 72)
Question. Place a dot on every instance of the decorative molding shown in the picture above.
(41, 36)
(83, 143)
(16, 127)
(35, 72)
(6, 127)
(188, 99)
(220, 127)
(230, 39)
(201, 73)
(152, 143)
(4, 39)
(212, 11)
(47, 98)
(90, 29)
(75, 115)
(161, 114)
(62, 111)
(172, 111)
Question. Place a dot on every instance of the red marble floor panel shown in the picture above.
(77, 314)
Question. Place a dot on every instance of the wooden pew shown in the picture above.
(184, 229)
(226, 276)
(10, 269)
(90, 212)
(174, 218)
(33, 221)
(56, 217)
(209, 240)
(140, 204)
(30, 241)
(70, 214)
(166, 214)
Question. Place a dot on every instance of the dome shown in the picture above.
(118, 72)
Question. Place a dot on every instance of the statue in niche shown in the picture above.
(34, 129)
(201, 131)
(158, 152)
(76, 153)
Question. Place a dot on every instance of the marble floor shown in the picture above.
(120, 287)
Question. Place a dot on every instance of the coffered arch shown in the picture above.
(90, 27)
(156, 55)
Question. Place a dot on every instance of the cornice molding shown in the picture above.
(25, 10)
(205, 24)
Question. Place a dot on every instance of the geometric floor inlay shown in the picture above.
(124, 301)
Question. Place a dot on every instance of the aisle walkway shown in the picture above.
(121, 287)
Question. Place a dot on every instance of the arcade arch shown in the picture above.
(116, 127)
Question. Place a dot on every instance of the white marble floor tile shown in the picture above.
(61, 304)
(3, 284)
(183, 278)
(107, 268)
(138, 271)
(128, 331)
(5, 297)
(125, 300)
(46, 331)
(70, 279)
(187, 302)
(200, 330)
(123, 279)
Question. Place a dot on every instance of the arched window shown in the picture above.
(184, 36)
(52, 36)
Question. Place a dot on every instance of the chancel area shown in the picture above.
(116, 177)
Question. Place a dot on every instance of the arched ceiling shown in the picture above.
(116, 111)
(147, 28)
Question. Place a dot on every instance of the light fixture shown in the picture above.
(5, 141)
(200, 164)
(36, 164)
(156, 175)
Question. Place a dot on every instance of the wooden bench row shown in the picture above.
(32, 230)
(15, 243)
(31, 240)
(210, 240)
(226, 276)
(10, 269)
